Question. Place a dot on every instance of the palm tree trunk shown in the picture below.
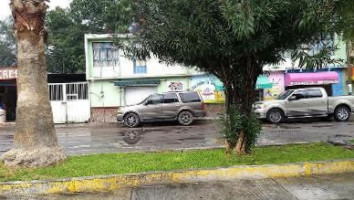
(35, 142)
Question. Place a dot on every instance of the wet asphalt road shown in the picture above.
(334, 187)
(104, 138)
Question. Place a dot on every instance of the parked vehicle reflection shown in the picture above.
(132, 136)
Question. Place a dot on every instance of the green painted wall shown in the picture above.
(341, 53)
(104, 94)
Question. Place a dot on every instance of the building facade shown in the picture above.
(287, 75)
(116, 79)
(68, 94)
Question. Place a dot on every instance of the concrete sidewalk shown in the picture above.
(338, 186)
(114, 182)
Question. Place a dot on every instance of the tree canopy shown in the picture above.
(7, 44)
(67, 27)
(234, 39)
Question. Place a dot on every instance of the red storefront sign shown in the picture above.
(8, 73)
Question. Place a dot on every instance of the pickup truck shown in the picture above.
(305, 102)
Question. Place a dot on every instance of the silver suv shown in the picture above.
(170, 106)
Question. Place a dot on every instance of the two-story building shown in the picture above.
(117, 80)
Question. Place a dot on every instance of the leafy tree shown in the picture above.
(67, 27)
(105, 16)
(65, 51)
(7, 44)
(35, 142)
(234, 39)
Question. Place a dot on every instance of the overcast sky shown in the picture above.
(5, 8)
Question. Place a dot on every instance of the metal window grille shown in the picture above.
(56, 92)
(76, 91)
(72, 91)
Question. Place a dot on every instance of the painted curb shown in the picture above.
(109, 183)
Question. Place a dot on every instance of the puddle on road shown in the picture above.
(322, 126)
(339, 135)
(192, 138)
(288, 127)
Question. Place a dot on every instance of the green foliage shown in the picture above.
(65, 51)
(211, 33)
(105, 16)
(7, 44)
(234, 122)
(318, 54)
(127, 163)
(234, 39)
(67, 27)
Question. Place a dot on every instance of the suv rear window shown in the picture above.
(189, 97)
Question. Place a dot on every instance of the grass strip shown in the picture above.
(125, 163)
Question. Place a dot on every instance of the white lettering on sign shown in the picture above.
(321, 82)
(8, 73)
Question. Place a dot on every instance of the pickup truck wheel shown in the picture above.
(342, 114)
(275, 116)
(185, 118)
(131, 120)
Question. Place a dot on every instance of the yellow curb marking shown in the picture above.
(121, 181)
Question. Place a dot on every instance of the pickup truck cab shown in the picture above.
(306, 102)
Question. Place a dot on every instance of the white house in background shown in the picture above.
(116, 80)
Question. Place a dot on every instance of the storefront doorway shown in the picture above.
(8, 91)
(8, 96)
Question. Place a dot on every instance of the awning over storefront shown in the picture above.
(263, 82)
(142, 82)
(315, 78)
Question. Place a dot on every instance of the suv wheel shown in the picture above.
(185, 118)
(131, 120)
(342, 114)
(275, 116)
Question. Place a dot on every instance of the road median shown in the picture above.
(114, 182)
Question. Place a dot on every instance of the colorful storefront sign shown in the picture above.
(175, 86)
(209, 87)
(263, 82)
(314, 78)
(276, 79)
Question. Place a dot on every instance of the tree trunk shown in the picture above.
(241, 93)
(228, 146)
(241, 143)
(35, 142)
